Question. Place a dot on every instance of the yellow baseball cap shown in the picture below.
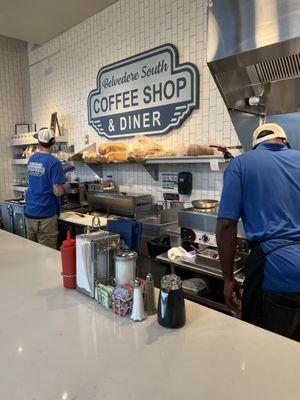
(267, 131)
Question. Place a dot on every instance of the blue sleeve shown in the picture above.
(231, 199)
(57, 174)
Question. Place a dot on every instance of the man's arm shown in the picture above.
(226, 233)
(58, 190)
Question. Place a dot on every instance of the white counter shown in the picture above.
(57, 343)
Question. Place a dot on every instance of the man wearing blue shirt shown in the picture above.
(46, 179)
(262, 187)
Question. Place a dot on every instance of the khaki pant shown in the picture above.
(43, 231)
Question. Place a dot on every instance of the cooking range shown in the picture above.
(198, 231)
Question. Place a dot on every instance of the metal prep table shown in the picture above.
(204, 270)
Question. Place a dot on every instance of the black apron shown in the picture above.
(254, 277)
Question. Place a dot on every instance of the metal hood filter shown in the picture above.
(254, 57)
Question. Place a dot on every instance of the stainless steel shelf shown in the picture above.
(184, 160)
(200, 268)
(17, 188)
(32, 141)
(20, 161)
(152, 164)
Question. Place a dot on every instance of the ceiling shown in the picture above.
(37, 21)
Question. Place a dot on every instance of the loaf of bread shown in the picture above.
(195, 150)
(105, 148)
(91, 157)
(116, 156)
(136, 156)
(148, 145)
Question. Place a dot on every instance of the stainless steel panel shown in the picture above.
(254, 51)
(237, 26)
(203, 221)
(117, 203)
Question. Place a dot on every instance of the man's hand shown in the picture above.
(231, 294)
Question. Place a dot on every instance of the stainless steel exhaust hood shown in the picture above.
(254, 56)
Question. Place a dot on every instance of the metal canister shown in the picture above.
(149, 300)
(125, 266)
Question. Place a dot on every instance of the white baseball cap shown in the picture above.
(267, 131)
(44, 135)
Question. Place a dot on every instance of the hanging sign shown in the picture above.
(149, 93)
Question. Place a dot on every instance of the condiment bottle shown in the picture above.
(150, 307)
(68, 260)
(138, 313)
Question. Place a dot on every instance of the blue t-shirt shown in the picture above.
(262, 187)
(44, 171)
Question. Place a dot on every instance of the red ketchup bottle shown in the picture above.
(68, 261)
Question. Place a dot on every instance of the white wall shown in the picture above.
(63, 71)
(14, 93)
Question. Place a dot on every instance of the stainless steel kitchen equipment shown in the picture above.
(154, 227)
(254, 56)
(76, 197)
(127, 205)
(198, 227)
(95, 254)
(13, 216)
(107, 186)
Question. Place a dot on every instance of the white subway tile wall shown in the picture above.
(13, 54)
(64, 70)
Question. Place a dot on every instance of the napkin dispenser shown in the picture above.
(95, 253)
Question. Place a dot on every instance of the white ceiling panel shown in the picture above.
(38, 21)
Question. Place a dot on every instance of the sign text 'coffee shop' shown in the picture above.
(149, 93)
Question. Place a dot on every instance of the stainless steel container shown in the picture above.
(129, 205)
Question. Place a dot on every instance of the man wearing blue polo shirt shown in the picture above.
(46, 179)
(262, 187)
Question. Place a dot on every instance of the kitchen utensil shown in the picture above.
(96, 222)
(150, 308)
(80, 214)
(205, 204)
(125, 266)
(195, 248)
(138, 312)
(171, 308)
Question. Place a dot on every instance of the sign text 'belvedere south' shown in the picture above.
(149, 93)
